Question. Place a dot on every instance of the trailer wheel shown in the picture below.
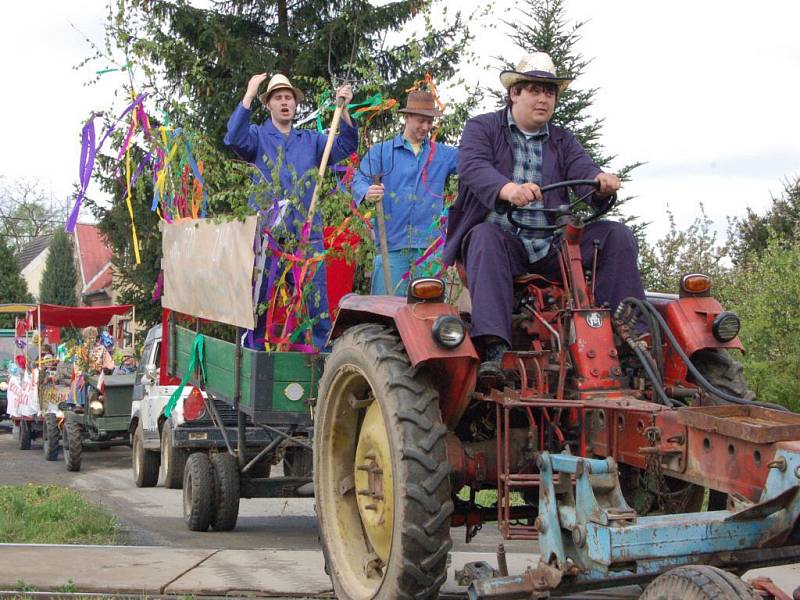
(25, 434)
(145, 462)
(73, 447)
(198, 492)
(173, 460)
(700, 582)
(51, 437)
(381, 471)
(298, 462)
(226, 491)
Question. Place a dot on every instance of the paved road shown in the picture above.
(153, 516)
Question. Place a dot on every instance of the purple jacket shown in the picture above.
(486, 164)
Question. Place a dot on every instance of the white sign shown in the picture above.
(23, 400)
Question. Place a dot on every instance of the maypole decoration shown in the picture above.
(161, 153)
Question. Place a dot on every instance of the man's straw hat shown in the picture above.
(536, 67)
(280, 82)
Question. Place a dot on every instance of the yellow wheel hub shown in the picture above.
(374, 484)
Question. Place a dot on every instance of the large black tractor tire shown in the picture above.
(378, 421)
(700, 582)
(724, 373)
(226, 491)
(73, 445)
(173, 460)
(198, 492)
(145, 463)
(298, 462)
(52, 437)
(24, 435)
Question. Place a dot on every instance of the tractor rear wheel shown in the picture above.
(700, 582)
(51, 437)
(25, 432)
(724, 373)
(381, 471)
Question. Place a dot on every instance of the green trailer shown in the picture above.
(271, 392)
(260, 404)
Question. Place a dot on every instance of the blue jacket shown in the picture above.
(486, 164)
(411, 205)
(302, 152)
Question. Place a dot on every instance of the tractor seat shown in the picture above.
(521, 281)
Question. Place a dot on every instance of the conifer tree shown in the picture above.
(59, 280)
(13, 287)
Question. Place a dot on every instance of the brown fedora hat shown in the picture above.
(421, 103)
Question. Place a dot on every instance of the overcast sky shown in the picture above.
(705, 91)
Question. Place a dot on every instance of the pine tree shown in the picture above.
(13, 287)
(59, 280)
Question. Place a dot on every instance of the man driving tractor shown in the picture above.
(506, 157)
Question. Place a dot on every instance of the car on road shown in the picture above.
(163, 442)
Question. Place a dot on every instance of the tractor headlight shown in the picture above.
(96, 408)
(449, 331)
(726, 326)
(3, 386)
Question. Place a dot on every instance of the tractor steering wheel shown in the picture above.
(563, 210)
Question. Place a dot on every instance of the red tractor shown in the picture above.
(596, 438)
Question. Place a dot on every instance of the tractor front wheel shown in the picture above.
(381, 471)
(700, 582)
(51, 437)
(73, 445)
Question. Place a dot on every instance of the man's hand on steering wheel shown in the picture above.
(608, 184)
(520, 194)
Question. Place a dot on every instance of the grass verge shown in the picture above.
(48, 514)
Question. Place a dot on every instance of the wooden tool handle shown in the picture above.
(387, 271)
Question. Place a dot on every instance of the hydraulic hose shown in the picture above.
(699, 378)
(651, 375)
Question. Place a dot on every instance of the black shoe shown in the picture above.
(490, 371)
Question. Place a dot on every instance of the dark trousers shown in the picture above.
(493, 258)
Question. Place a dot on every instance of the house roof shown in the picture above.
(33, 249)
(94, 258)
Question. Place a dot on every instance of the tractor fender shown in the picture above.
(453, 370)
(690, 321)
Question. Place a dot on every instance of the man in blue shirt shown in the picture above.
(296, 153)
(413, 171)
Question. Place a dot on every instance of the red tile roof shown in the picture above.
(94, 257)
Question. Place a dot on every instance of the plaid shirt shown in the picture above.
(527, 152)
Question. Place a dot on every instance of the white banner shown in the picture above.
(22, 396)
(208, 269)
